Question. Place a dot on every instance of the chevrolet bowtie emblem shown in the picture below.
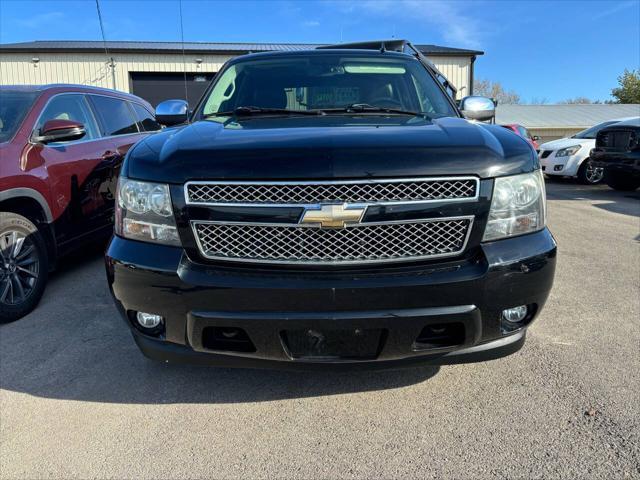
(333, 216)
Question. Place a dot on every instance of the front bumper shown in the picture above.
(622, 163)
(570, 165)
(266, 303)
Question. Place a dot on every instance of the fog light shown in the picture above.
(558, 168)
(148, 320)
(515, 314)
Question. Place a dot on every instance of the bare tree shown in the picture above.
(539, 101)
(577, 101)
(487, 88)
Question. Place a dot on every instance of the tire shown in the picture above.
(588, 174)
(23, 266)
(621, 181)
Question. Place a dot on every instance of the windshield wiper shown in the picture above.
(249, 111)
(366, 108)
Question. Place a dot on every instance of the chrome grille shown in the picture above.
(375, 242)
(306, 193)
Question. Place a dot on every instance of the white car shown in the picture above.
(569, 157)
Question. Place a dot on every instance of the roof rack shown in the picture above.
(402, 46)
(381, 45)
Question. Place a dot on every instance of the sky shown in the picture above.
(543, 50)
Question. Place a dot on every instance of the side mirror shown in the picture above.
(478, 108)
(60, 131)
(535, 138)
(172, 112)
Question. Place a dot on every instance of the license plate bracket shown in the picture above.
(333, 344)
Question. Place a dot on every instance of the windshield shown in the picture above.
(13, 108)
(593, 131)
(328, 81)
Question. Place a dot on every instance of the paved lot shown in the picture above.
(78, 400)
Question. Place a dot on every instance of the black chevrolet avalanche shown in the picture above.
(330, 208)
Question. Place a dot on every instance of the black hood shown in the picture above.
(333, 146)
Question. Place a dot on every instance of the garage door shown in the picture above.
(155, 87)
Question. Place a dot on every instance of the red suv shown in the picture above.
(524, 133)
(61, 147)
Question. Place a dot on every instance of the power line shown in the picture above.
(184, 59)
(106, 50)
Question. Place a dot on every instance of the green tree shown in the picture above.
(629, 89)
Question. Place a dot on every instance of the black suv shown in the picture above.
(330, 207)
(618, 153)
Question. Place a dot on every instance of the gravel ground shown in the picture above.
(78, 400)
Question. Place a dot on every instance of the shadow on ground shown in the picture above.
(601, 196)
(74, 346)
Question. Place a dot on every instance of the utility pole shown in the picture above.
(112, 66)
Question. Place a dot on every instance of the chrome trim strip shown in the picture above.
(471, 219)
(331, 182)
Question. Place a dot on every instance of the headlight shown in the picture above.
(144, 212)
(518, 206)
(567, 152)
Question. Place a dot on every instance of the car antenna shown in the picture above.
(184, 58)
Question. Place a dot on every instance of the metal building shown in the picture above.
(551, 122)
(155, 70)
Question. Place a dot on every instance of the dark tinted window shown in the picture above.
(524, 132)
(13, 108)
(70, 107)
(328, 81)
(146, 122)
(115, 115)
(593, 131)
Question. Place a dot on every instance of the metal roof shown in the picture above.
(429, 49)
(192, 47)
(563, 116)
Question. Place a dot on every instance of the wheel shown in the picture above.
(588, 174)
(620, 181)
(23, 266)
